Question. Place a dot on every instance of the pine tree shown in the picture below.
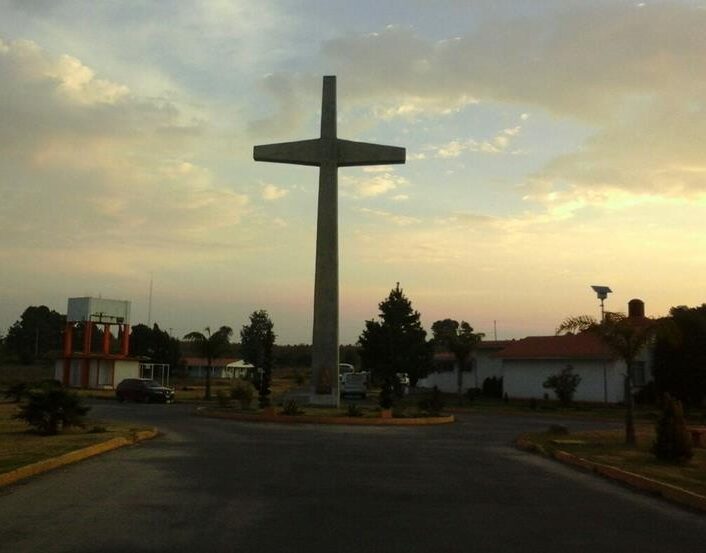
(673, 442)
(257, 342)
(396, 343)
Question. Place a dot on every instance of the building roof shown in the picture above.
(567, 346)
(494, 344)
(203, 362)
(489, 345)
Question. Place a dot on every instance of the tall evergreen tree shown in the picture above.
(257, 343)
(38, 331)
(680, 364)
(155, 344)
(396, 343)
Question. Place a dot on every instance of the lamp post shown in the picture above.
(602, 293)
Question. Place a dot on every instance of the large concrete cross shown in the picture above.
(328, 153)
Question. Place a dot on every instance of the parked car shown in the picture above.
(354, 384)
(344, 369)
(143, 389)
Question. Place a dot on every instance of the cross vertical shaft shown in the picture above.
(328, 153)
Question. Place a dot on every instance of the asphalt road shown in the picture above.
(211, 485)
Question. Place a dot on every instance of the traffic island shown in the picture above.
(75, 456)
(633, 480)
(272, 416)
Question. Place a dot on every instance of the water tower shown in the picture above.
(96, 344)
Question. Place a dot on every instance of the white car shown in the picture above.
(354, 384)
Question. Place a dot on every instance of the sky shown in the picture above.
(551, 146)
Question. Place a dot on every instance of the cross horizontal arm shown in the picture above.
(364, 153)
(302, 152)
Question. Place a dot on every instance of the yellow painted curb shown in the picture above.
(73, 457)
(637, 481)
(306, 419)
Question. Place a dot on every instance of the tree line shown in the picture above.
(392, 343)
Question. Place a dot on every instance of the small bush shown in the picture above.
(558, 430)
(385, 399)
(16, 391)
(50, 410)
(354, 410)
(493, 387)
(291, 408)
(97, 429)
(399, 412)
(673, 441)
(223, 398)
(432, 404)
(564, 384)
(243, 392)
(473, 393)
(299, 377)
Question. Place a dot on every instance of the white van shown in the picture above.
(344, 369)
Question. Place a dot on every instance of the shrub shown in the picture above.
(243, 392)
(299, 377)
(558, 430)
(290, 407)
(564, 384)
(433, 404)
(50, 410)
(673, 441)
(16, 391)
(354, 410)
(493, 387)
(223, 398)
(385, 399)
(472, 393)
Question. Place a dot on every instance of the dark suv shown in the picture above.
(143, 389)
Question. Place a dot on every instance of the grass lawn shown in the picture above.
(552, 408)
(19, 446)
(607, 447)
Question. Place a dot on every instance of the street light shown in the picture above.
(602, 293)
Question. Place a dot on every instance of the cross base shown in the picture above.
(324, 400)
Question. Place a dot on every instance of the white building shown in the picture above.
(484, 363)
(527, 363)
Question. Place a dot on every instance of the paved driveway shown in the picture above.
(211, 485)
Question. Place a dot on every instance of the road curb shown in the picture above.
(39, 467)
(306, 419)
(636, 481)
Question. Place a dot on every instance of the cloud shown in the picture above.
(498, 144)
(378, 184)
(90, 165)
(634, 77)
(396, 219)
(271, 192)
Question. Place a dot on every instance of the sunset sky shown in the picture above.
(550, 146)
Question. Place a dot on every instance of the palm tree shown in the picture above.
(626, 337)
(210, 346)
(460, 340)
